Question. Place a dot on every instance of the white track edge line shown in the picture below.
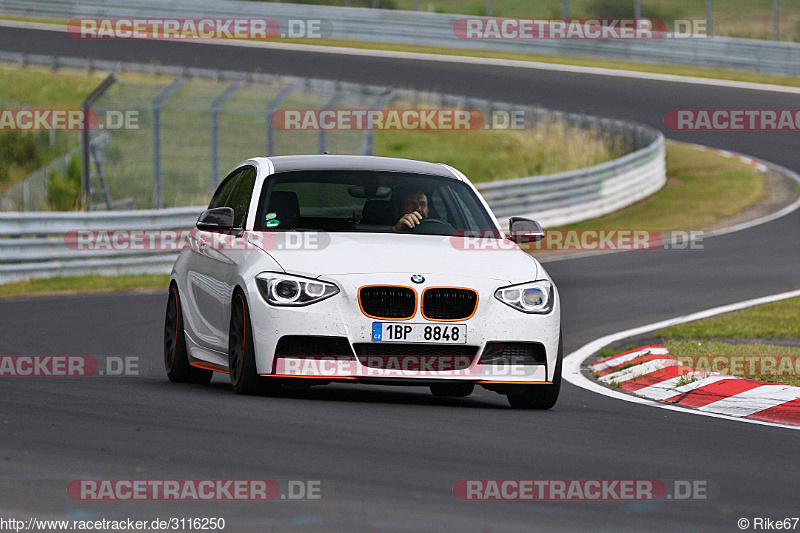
(513, 63)
(572, 363)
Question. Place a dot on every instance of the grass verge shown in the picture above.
(485, 155)
(756, 360)
(777, 320)
(761, 362)
(702, 188)
(85, 284)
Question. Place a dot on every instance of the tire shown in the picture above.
(452, 390)
(242, 354)
(176, 359)
(540, 396)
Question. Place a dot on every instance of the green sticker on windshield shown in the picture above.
(270, 216)
(272, 223)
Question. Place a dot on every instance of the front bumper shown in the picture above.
(341, 317)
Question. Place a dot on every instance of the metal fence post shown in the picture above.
(157, 104)
(100, 174)
(564, 9)
(489, 8)
(86, 138)
(271, 108)
(709, 18)
(337, 97)
(215, 107)
(775, 20)
(637, 9)
(368, 145)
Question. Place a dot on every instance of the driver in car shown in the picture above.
(411, 206)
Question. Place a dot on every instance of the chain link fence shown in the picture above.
(178, 137)
(166, 139)
(23, 155)
(166, 143)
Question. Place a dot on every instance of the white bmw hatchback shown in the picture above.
(317, 269)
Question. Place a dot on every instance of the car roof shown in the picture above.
(289, 163)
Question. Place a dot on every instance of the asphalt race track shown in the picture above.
(388, 458)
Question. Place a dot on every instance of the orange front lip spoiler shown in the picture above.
(209, 366)
(329, 378)
(339, 378)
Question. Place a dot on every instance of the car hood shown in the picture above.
(374, 253)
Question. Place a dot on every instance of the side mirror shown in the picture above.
(524, 230)
(217, 219)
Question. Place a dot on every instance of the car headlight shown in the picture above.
(288, 290)
(532, 297)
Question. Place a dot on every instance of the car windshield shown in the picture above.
(368, 201)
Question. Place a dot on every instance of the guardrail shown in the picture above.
(33, 244)
(37, 246)
(435, 29)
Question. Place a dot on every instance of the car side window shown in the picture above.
(224, 190)
(466, 212)
(240, 195)
(438, 207)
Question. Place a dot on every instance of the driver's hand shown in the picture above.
(408, 221)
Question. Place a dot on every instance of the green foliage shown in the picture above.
(86, 284)
(26, 150)
(381, 4)
(779, 319)
(625, 9)
(606, 353)
(65, 190)
(18, 148)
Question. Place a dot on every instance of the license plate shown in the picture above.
(401, 332)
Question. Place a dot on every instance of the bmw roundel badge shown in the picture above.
(416, 278)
